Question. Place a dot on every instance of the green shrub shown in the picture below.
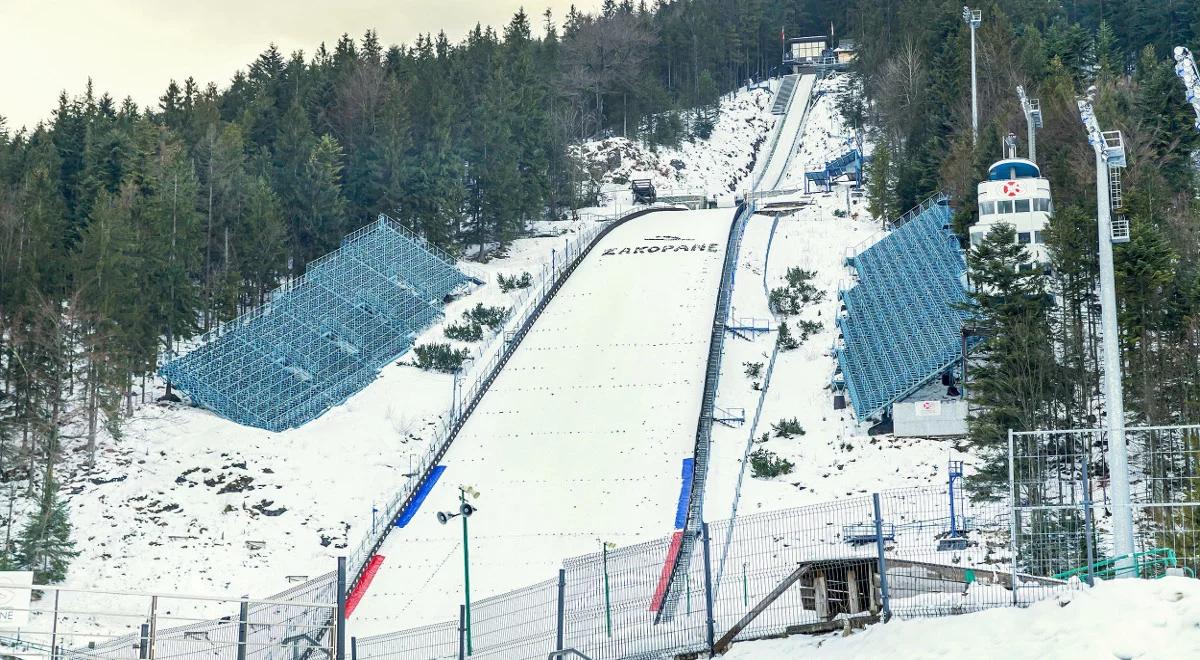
(492, 317)
(766, 464)
(753, 369)
(783, 301)
(786, 428)
(784, 340)
(440, 357)
(465, 330)
(808, 329)
(510, 283)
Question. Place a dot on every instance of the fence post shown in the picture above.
(562, 608)
(708, 594)
(882, 561)
(144, 642)
(1012, 512)
(54, 629)
(153, 627)
(243, 629)
(1088, 522)
(353, 648)
(462, 632)
(340, 651)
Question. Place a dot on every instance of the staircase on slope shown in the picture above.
(784, 96)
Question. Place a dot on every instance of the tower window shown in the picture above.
(987, 208)
(1005, 206)
(1037, 237)
(1023, 238)
(1041, 204)
(1022, 205)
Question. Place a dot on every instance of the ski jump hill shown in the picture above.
(589, 433)
(583, 434)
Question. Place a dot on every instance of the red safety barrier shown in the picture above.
(661, 590)
(360, 589)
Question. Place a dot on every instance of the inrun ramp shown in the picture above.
(903, 319)
(323, 336)
(581, 437)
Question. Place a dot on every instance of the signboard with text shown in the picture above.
(15, 598)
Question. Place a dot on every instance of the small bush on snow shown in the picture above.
(767, 464)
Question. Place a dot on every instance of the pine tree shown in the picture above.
(1016, 377)
(44, 545)
(322, 208)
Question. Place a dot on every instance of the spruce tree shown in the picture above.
(44, 545)
(1014, 377)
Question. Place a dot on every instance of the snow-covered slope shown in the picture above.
(1123, 619)
(713, 166)
(188, 501)
(834, 457)
(583, 434)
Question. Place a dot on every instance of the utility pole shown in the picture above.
(973, 17)
(1110, 157)
(1033, 120)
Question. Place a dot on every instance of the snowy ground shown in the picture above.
(714, 166)
(834, 458)
(1123, 619)
(583, 434)
(187, 501)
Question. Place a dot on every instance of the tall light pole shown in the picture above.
(1033, 120)
(973, 17)
(1110, 157)
(464, 511)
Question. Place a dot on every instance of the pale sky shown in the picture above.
(134, 47)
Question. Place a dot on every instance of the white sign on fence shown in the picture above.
(15, 596)
(927, 408)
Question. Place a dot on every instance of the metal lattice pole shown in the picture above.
(973, 17)
(1110, 154)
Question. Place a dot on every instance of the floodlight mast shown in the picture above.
(1110, 154)
(973, 18)
(1185, 68)
(1033, 120)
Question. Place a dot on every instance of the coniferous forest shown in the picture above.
(124, 229)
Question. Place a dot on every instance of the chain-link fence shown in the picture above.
(806, 569)
(63, 623)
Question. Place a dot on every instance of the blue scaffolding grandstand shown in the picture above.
(323, 336)
(902, 323)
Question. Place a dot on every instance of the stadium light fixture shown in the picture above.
(1033, 120)
(465, 510)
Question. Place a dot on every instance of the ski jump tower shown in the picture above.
(1185, 68)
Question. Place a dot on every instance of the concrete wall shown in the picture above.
(937, 418)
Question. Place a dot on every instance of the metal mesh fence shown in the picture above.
(1062, 507)
(808, 569)
(74, 624)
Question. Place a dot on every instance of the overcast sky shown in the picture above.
(134, 47)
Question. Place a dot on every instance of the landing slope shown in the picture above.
(582, 436)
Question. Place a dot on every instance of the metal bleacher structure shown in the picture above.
(902, 321)
(849, 162)
(323, 336)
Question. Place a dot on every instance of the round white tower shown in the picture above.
(1016, 194)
